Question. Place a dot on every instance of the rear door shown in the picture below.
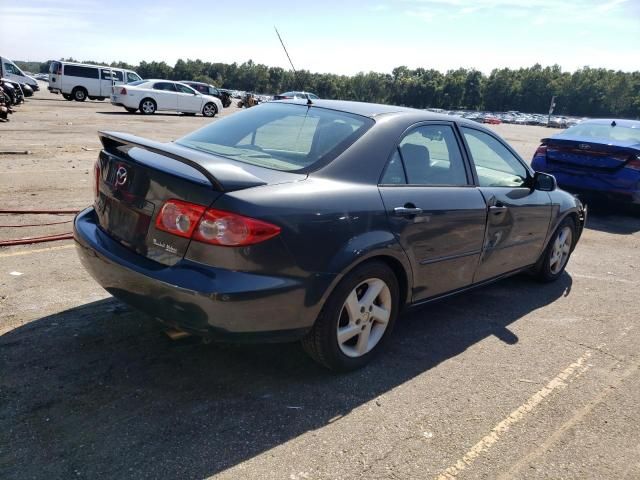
(188, 99)
(518, 216)
(165, 95)
(434, 209)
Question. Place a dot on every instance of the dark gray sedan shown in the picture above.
(317, 221)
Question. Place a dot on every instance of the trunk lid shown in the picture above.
(589, 154)
(137, 176)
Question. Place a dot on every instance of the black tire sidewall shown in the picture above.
(544, 269)
(155, 107)
(215, 110)
(79, 90)
(328, 320)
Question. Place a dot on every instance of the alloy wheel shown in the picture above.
(560, 250)
(148, 106)
(364, 317)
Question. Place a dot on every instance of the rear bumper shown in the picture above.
(212, 302)
(622, 186)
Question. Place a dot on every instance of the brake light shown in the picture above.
(96, 179)
(542, 150)
(123, 91)
(634, 163)
(179, 218)
(212, 226)
(229, 229)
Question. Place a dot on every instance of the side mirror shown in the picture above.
(544, 182)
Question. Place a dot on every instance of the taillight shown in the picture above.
(212, 226)
(179, 218)
(634, 163)
(229, 229)
(96, 179)
(123, 91)
(542, 150)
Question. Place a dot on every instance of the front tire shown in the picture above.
(148, 106)
(556, 256)
(356, 320)
(209, 110)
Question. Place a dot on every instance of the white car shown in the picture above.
(150, 96)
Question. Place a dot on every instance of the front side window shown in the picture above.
(185, 89)
(495, 164)
(133, 77)
(114, 75)
(280, 136)
(213, 91)
(431, 156)
(10, 68)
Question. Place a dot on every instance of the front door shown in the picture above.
(434, 210)
(188, 99)
(518, 216)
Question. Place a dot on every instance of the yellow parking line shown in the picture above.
(559, 381)
(37, 250)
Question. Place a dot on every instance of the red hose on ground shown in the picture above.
(40, 212)
(46, 238)
(27, 241)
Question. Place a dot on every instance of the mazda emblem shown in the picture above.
(121, 176)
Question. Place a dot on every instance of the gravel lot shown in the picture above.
(515, 380)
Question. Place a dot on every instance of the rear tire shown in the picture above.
(356, 320)
(131, 110)
(148, 106)
(79, 94)
(555, 257)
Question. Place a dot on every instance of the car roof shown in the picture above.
(376, 109)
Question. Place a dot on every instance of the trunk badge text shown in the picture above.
(167, 247)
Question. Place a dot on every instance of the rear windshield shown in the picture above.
(605, 132)
(280, 136)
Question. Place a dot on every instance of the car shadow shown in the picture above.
(100, 391)
(157, 114)
(618, 219)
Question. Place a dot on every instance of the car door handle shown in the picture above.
(498, 209)
(407, 211)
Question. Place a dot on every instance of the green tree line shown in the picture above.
(593, 92)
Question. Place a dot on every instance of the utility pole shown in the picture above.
(551, 107)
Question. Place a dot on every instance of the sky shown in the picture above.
(337, 36)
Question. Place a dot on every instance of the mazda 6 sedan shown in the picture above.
(317, 221)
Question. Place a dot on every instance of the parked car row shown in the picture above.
(517, 118)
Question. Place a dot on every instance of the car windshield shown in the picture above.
(280, 136)
(605, 132)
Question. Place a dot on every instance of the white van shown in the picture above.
(10, 71)
(79, 81)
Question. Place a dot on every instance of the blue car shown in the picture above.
(599, 156)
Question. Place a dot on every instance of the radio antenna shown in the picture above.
(295, 74)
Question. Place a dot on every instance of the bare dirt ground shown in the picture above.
(515, 380)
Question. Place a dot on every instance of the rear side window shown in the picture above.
(80, 71)
(280, 136)
(495, 164)
(170, 87)
(430, 155)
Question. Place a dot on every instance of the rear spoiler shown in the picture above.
(114, 140)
